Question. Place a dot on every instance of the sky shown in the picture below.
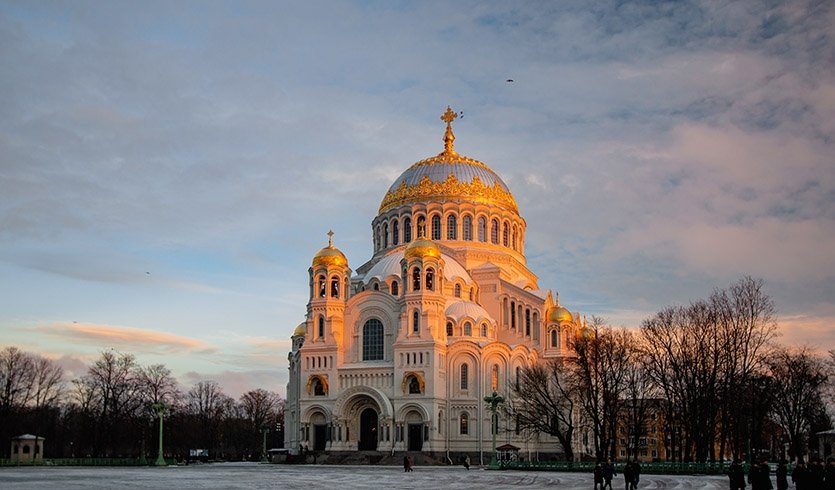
(169, 169)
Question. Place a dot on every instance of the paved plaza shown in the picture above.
(253, 476)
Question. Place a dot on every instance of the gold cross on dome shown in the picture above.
(449, 116)
(330, 238)
(449, 137)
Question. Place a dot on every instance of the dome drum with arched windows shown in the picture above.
(394, 357)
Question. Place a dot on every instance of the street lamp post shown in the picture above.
(264, 429)
(494, 400)
(160, 408)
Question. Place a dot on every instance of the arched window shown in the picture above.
(527, 322)
(457, 290)
(430, 279)
(421, 227)
(504, 312)
(395, 232)
(506, 235)
(377, 239)
(321, 327)
(494, 232)
(451, 227)
(467, 228)
(414, 385)
(465, 424)
(415, 279)
(468, 328)
(494, 378)
(554, 339)
(415, 322)
(484, 330)
(513, 315)
(449, 329)
(335, 287)
(465, 376)
(436, 226)
(407, 230)
(395, 288)
(318, 387)
(536, 328)
(385, 235)
(376, 286)
(322, 286)
(515, 238)
(482, 229)
(372, 340)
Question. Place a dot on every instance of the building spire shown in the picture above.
(330, 238)
(449, 137)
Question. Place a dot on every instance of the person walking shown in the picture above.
(608, 474)
(628, 474)
(829, 474)
(406, 465)
(736, 475)
(782, 475)
(800, 475)
(598, 476)
(815, 475)
(760, 476)
(636, 474)
(467, 462)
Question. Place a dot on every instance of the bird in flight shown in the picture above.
(509, 80)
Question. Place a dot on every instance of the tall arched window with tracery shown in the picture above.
(468, 328)
(407, 230)
(395, 288)
(527, 322)
(506, 235)
(484, 330)
(464, 425)
(482, 229)
(515, 238)
(395, 232)
(451, 227)
(513, 315)
(449, 329)
(494, 232)
(436, 226)
(467, 227)
(415, 322)
(372, 340)
(555, 339)
(465, 376)
(321, 327)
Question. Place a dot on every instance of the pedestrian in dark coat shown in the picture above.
(636, 474)
(406, 465)
(829, 474)
(628, 474)
(782, 475)
(814, 481)
(736, 475)
(800, 475)
(598, 476)
(608, 474)
(761, 476)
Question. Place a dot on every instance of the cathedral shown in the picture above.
(400, 354)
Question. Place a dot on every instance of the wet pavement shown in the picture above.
(254, 476)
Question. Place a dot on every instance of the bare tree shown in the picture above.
(799, 378)
(15, 378)
(47, 382)
(543, 401)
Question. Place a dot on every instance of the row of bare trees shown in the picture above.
(711, 368)
(108, 412)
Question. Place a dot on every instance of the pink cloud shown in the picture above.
(129, 338)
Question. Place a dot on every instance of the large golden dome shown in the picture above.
(330, 255)
(449, 176)
(301, 330)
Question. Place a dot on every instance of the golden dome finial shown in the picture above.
(330, 238)
(449, 137)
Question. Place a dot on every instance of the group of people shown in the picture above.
(815, 476)
(605, 472)
(408, 464)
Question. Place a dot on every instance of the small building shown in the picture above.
(27, 448)
(826, 444)
(507, 452)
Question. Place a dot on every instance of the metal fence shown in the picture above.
(80, 462)
(664, 468)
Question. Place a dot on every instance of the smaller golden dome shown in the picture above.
(560, 314)
(330, 255)
(301, 330)
(422, 248)
(584, 333)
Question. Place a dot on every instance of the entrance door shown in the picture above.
(415, 437)
(320, 436)
(368, 430)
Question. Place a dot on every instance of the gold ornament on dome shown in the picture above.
(330, 255)
(449, 189)
(422, 248)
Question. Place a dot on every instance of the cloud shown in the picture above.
(129, 339)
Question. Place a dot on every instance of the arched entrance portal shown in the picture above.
(368, 430)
